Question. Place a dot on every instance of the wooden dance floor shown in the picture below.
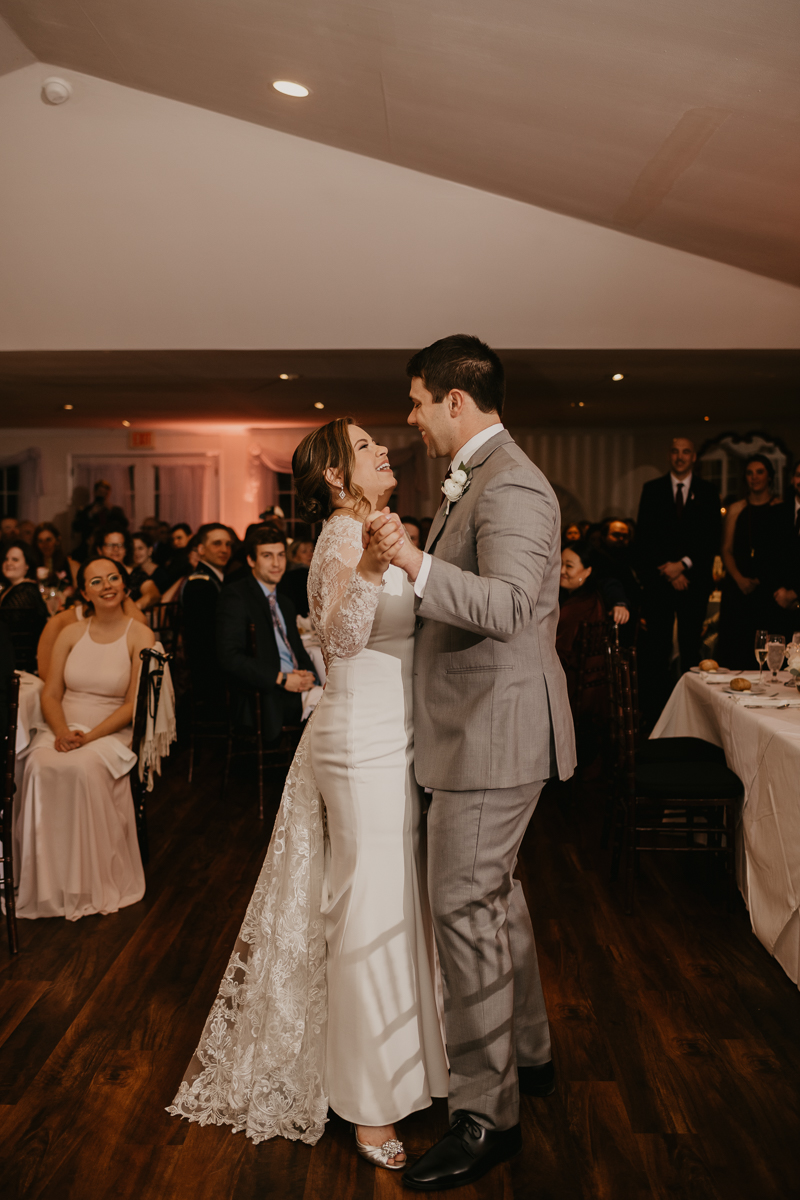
(675, 1035)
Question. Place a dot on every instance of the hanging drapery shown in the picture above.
(30, 481)
(183, 493)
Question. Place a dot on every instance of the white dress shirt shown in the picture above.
(687, 487)
(462, 456)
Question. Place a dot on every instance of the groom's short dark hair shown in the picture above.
(465, 363)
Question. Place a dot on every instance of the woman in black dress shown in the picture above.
(22, 608)
(752, 551)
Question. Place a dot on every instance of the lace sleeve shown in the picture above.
(341, 603)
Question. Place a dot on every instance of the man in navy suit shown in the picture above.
(678, 536)
(280, 669)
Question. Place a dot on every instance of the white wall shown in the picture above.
(596, 472)
(132, 221)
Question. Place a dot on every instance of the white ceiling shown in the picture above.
(674, 120)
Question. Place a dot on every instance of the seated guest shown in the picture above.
(179, 535)
(26, 530)
(301, 551)
(273, 515)
(281, 669)
(114, 543)
(77, 610)
(22, 608)
(583, 597)
(75, 832)
(615, 559)
(54, 569)
(754, 551)
(294, 585)
(199, 598)
(9, 532)
(143, 584)
(413, 530)
(19, 586)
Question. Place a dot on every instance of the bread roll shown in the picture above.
(740, 685)
(708, 664)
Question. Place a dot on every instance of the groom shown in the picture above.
(492, 724)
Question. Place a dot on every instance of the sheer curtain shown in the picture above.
(183, 493)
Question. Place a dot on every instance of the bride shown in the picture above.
(328, 998)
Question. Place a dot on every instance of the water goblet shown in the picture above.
(776, 652)
(762, 637)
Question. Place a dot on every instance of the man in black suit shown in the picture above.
(200, 595)
(678, 536)
(281, 669)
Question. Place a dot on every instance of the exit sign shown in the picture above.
(141, 439)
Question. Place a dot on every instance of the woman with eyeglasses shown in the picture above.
(75, 835)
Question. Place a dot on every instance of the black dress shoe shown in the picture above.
(465, 1153)
(537, 1081)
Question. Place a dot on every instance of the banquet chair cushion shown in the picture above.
(679, 750)
(687, 781)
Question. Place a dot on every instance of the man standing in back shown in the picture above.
(678, 534)
(492, 723)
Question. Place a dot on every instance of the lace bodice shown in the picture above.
(341, 603)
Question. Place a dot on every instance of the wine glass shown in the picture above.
(776, 652)
(762, 637)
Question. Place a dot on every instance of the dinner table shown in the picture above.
(759, 730)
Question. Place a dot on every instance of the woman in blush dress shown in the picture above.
(329, 995)
(75, 829)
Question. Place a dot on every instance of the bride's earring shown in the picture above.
(342, 493)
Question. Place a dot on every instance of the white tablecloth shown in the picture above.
(762, 745)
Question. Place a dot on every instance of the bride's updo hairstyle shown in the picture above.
(324, 448)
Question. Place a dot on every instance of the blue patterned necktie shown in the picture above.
(276, 621)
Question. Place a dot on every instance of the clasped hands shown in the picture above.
(385, 542)
(675, 573)
(73, 739)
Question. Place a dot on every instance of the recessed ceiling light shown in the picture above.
(617, 377)
(126, 423)
(706, 418)
(290, 89)
(580, 404)
(68, 407)
(318, 404)
(283, 375)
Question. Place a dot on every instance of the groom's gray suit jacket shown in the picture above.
(490, 695)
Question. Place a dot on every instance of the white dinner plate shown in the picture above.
(756, 689)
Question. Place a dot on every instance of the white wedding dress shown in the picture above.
(328, 998)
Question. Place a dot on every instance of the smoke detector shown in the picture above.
(56, 90)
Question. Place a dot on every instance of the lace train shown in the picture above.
(260, 1062)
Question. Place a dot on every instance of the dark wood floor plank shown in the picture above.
(674, 1034)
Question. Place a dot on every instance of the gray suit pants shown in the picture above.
(495, 1015)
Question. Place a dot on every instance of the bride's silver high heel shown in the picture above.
(379, 1155)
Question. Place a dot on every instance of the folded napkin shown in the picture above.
(719, 677)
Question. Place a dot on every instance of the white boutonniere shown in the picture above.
(456, 484)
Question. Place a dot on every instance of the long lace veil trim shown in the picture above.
(260, 1062)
